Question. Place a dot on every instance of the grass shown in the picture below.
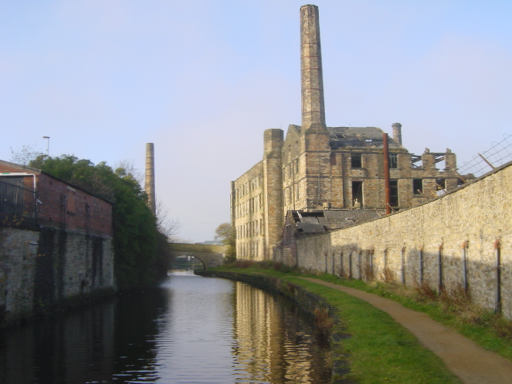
(378, 350)
(454, 309)
(489, 330)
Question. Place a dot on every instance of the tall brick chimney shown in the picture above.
(149, 182)
(313, 111)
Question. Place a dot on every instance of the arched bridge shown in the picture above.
(208, 254)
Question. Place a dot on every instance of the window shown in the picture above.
(357, 194)
(440, 187)
(393, 193)
(417, 186)
(393, 160)
(355, 160)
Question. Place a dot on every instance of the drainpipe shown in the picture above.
(386, 172)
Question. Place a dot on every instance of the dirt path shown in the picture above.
(470, 362)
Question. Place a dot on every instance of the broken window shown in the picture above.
(393, 193)
(357, 194)
(393, 160)
(440, 187)
(417, 186)
(416, 161)
(355, 160)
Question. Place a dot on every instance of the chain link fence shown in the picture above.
(498, 154)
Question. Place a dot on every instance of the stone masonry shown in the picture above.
(65, 253)
(460, 241)
(315, 167)
(149, 179)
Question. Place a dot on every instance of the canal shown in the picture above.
(189, 330)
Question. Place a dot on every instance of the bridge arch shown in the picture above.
(208, 254)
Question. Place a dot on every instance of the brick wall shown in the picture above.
(68, 255)
(62, 205)
(65, 206)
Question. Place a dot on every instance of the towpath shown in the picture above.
(467, 360)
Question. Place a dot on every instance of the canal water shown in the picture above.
(191, 329)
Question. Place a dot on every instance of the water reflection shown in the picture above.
(190, 330)
(274, 343)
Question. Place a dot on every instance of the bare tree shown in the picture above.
(24, 155)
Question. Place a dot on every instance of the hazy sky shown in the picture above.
(203, 79)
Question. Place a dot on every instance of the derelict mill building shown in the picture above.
(337, 172)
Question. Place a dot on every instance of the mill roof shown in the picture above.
(325, 220)
(357, 137)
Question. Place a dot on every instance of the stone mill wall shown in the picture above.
(461, 241)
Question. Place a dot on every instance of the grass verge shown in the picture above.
(378, 349)
(489, 330)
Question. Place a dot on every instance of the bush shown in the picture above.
(141, 252)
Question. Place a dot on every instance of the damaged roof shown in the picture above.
(357, 137)
(327, 220)
(351, 136)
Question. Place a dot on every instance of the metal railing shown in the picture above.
(498, 154)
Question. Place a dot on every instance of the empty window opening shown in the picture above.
(440, 161)
(440, 187)
(355, 160)
(416, 162)
(393, 193)
(357, 194)
(417, 186)
(393, 160)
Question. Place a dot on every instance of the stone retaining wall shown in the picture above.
(461, 241)
(47, 267)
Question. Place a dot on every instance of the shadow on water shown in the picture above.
(87, 345)
(191, 329)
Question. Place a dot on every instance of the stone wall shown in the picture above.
(248, 213)
(18, 252)
(39, 269)
(462, 240)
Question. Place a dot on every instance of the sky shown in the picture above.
(202, 79)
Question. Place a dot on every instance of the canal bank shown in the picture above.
(377, 349)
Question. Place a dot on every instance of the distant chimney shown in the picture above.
(313, 111)
(397, 133)
(149, 185)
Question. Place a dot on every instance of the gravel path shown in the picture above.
(470, 362)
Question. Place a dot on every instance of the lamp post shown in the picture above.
(47, 145)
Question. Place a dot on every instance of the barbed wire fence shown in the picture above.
(498, 154)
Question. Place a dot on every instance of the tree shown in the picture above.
(24, 155)
(225, 233)
(141, 251)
